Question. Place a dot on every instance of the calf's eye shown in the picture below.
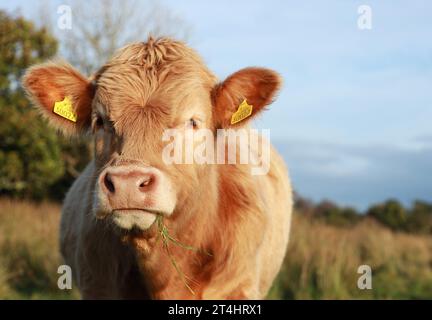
(99, 122)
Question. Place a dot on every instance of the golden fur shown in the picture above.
(241, 219)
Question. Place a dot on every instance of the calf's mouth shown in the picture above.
(130, 218)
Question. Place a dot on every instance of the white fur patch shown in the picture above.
(127, 219)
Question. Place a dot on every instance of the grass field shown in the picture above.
(321, 263)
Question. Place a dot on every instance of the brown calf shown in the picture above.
(235, 224)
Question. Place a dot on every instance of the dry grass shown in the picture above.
(321, 263)
(29, 253)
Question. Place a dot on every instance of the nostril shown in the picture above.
(108, 183)
(145, 183)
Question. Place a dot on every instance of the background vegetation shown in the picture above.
(327, 246)
(37, 165)
(35, 162)
(29, 251)
(321, 262)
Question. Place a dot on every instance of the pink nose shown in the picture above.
(127, 187)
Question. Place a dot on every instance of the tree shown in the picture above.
(32, 156)
(29, 155)
(101, 27)
(391, 213)
(420, 218)
(332, 214)
(303, 205)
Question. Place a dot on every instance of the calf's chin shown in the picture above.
(127, 219)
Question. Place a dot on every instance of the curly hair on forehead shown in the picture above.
(163, 64)
(155, 54)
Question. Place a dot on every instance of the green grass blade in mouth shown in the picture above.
(167, 239)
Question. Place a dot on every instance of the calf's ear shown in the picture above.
(61, 94)
(243, 95)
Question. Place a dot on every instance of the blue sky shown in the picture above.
(353, 119)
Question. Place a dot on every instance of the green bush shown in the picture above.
(332, 214)
(391, 213)
(35, 162)
(420, 218)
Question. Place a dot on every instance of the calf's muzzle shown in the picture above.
(129, 187)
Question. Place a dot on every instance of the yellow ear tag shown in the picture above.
(64, 109)
(244, 110)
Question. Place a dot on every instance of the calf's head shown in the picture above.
(145, 89)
